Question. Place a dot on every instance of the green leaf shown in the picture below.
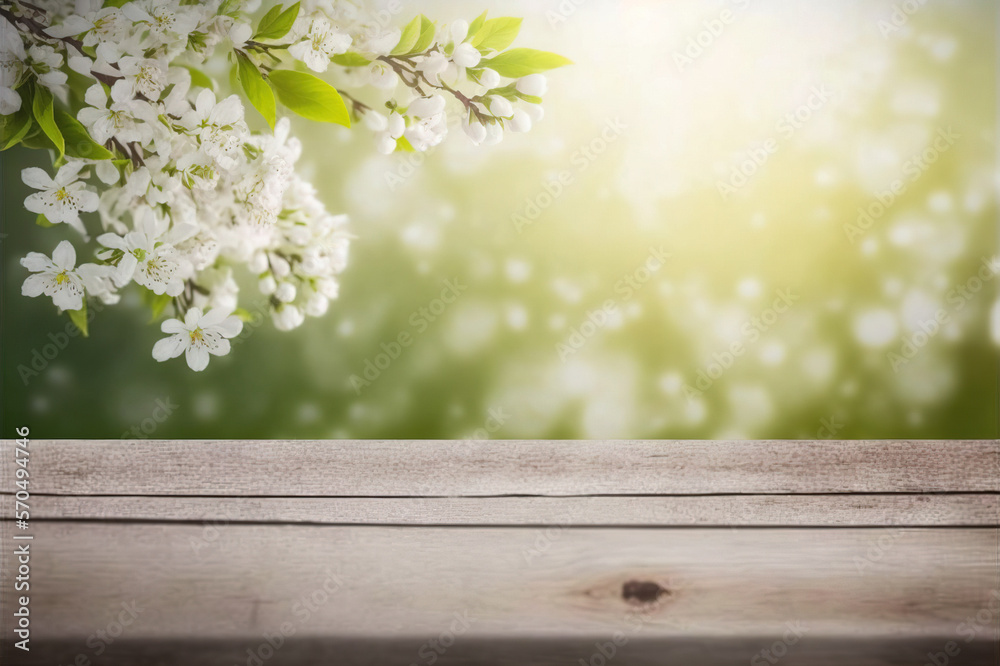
(36, 139)
(351, 60)
(310, 97)
(200, 78)
(403, 145)
(115, 3)
(427, 32)
(411, 33)
(15, 127)
(78, 85)
(497, 34)
(268, 19)
(276, 25)
(475, 26)
(521, 62)
(79, 319)
(243, 314)
(45, 116)
(78, 141)
(43, 221)
(156, 303)
(256, 89)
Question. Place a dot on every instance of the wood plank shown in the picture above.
(238, 581)
(477, 651)
(464, 468)
(737, 510)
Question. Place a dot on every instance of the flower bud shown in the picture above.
(519, 122)
(287, 318)
(285, 292)
(475, 131)
(329, 288)
(257, 263)
(459, 31)
(385, 144)
(535, 111)
(267, 285)
(466, 55)
(500, 106)
(534, 84)
(489, 78)
(280, 266)
(396, 125)
(426, 107)
(317, 305)
(375, 121)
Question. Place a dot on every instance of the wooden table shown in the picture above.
(508, 552)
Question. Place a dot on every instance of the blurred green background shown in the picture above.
(491, 365)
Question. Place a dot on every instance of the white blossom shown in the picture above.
(143, 76)
(199, 336)
(321, 41)
(61, 199)
(147, 258)
(117, 121)
(196, 196)
(535, 85)
(220, 127)
(56, 277)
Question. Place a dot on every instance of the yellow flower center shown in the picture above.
(62, 277)
(61, 194)
(197, 337)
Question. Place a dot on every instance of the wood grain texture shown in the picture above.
(700, 553)
(457, 468)
(955, 510)
(239, 581)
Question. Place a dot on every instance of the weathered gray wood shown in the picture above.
(222, 542)
(733, 510)
(455, 468)
(238, 581)
(495, 651)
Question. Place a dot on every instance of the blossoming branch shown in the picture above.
(184, 193)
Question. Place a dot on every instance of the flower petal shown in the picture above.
(230, 327)
(168, 348)
(219, 347)
(173, 326)
(125, 270)
(36, 261)
(88, 200)
(35, 285)
(64, 256)
(192, 318)
(68, 295)
(197, 358)
(68, 172)
(213, 317)
(37, 179)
